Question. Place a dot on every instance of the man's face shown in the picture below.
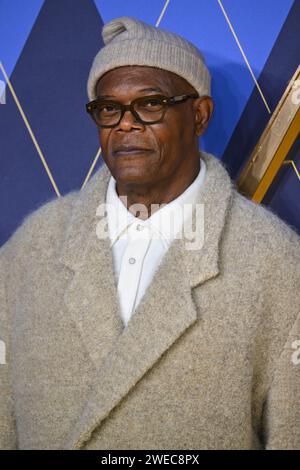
(166, 147)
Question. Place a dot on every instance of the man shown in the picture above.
(122, 334)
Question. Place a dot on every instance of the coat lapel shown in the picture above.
(123, 355)
(91, 295)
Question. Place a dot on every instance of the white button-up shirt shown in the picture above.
(138, 245)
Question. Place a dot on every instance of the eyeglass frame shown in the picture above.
(168, 100)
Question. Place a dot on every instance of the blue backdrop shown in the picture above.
(46, 49)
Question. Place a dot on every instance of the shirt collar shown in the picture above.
(164, 223)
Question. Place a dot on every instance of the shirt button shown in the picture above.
(132, 260)
(139, 227)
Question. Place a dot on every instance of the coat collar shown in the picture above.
(123, 355)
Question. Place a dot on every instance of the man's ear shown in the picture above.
(204, 107)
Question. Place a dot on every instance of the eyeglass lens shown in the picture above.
(148, 109)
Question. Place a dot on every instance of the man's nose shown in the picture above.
(129, 122)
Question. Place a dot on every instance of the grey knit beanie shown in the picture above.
(132, 42)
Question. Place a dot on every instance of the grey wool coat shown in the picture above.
(209, 360)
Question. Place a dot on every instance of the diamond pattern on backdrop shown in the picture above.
(50, 82)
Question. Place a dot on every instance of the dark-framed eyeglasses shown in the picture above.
(146, 109)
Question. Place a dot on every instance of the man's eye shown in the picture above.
(108, 108)
(153, 102)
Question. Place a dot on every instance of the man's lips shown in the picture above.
(131, 151)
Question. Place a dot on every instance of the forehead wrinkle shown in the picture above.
(155, 79)
(142, 90)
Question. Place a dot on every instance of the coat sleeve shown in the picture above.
(281, 415)
(7, 422)
(282, 409)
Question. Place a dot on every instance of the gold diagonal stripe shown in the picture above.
(162, 13)
(92, 168)
(99, 150)
(291, 162)
(29, 130)
(244, 56)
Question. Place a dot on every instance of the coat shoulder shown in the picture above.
(40, 226)
(45, 227)
(260, 224)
